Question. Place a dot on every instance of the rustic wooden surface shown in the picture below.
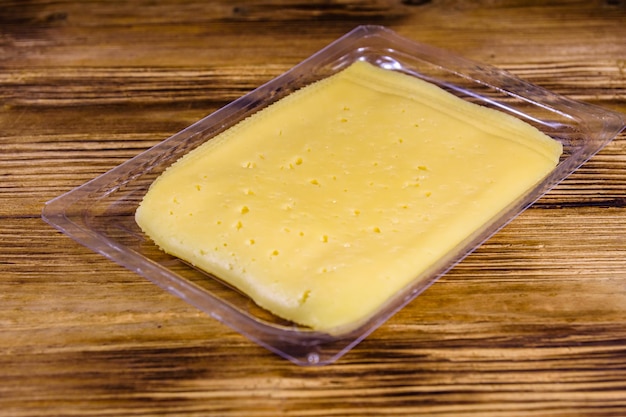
(533, 323)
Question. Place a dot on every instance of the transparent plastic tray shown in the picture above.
(100, 213)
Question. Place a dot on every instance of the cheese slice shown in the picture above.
(325, 204)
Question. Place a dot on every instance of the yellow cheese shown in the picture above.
(324, 205)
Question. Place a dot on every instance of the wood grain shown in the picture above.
(531, 324)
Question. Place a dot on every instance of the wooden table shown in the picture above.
(533, 323)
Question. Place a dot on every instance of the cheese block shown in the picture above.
(325, 204)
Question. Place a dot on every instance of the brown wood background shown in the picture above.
(532, 324)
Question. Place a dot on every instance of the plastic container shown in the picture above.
(100, 213)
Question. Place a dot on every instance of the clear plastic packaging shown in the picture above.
(100, 213)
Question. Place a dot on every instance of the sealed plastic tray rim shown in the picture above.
(100, 213)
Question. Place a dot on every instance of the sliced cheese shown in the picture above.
(325, 204)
